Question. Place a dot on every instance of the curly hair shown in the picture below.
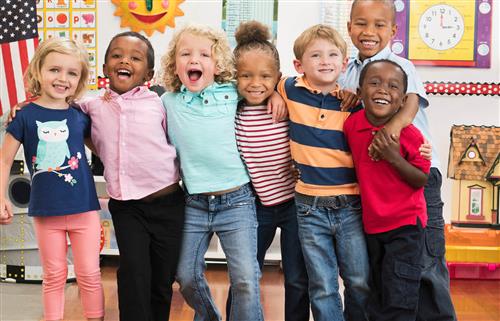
(70, 47)
(252, 35)
(220, 50)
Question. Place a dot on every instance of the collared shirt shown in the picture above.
(317, 141)
(350, 80)
(388, 201)
(130, 136)
(201, 127)
(265, 148)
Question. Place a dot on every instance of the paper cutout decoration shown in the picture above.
(147, 15)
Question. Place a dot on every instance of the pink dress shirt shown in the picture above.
(130, 136)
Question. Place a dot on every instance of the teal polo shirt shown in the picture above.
(201, 127)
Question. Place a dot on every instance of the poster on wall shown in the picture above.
(76, 19)
(236, 11)
(148, 15)
(336, 14)
(444, 33)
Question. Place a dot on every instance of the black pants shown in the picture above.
(149, 236)
(395, 270)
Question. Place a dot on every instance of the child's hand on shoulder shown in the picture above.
(277, 106)
(17, 107)
(348, 99)
(386, 146)
(107, 96)
(426, 150)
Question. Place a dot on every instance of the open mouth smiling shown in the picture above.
(194, 74)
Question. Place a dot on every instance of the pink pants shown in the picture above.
(84, 232)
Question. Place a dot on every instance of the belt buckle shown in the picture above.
(339, 201)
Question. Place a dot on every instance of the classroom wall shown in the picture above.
(294, 16)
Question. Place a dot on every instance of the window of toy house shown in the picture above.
(475, 202)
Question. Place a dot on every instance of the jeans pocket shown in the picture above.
(404, 291)
(434, 241)
(303, 210)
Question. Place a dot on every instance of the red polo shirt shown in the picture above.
(388, 201)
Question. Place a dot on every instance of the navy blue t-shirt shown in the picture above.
(61, 181)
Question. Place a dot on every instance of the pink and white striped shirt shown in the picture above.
(265, 149)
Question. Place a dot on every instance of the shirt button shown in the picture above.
(373, 132)
(226, 96)
(212, 197)
(206, 101)
(123, 172)
(123, 144)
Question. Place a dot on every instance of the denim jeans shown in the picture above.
(333, 243)
(232, 217)
(435, 300)
(284, 216)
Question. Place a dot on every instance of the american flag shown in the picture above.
(18, 38)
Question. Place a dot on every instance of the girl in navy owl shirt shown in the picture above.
(63, 199)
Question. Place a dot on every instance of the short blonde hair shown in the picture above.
(319, 31)
(220, 50)
(70, 47)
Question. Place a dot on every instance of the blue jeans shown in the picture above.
(333, 243)
(435, 300)
(284, 216)
(232, 216)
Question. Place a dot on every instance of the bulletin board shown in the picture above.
(444, 33)
(75, 19)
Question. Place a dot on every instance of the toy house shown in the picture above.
(473, 239)
(474, 165)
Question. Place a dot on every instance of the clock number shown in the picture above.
(429, 19)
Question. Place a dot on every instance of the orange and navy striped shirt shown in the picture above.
(317, 142)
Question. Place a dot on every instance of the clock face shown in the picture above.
(441, 27)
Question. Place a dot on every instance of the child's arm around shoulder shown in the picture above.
(388, 146)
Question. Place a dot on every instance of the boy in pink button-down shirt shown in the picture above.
(141, 172)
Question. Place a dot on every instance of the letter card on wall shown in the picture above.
(75, 19)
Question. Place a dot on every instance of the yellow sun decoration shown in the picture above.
(147, 15)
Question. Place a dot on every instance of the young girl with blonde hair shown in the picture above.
(63, 200)
(201, 110)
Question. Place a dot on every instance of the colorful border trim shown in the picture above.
(432, 88)
(103, 82)
(461, 88)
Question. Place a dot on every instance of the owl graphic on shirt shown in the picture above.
(52, 149)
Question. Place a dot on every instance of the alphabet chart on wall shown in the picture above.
(75, 19)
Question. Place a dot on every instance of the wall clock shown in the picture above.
(444, 33)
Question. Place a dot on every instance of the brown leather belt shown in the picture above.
(222, 192)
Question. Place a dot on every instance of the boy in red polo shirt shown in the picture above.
(392, 194)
